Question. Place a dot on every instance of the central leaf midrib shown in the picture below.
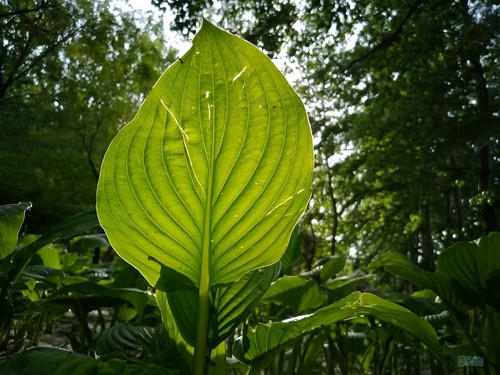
(207, 235)
(204, 284)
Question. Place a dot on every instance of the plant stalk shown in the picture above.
(200, 350)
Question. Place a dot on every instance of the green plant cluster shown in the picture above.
(202, 193)
(320, 321)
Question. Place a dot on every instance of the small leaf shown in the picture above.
(234, 302)
(50, 256)
(295, 293)
(292, 252)
(184, 351)
(73, 226)
(82, 244)
(332, 267)
(11, 219)
(333, 264)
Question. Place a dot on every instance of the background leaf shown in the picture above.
(234, 302)
(295, 293)
(398, 264)
(11, 219)
(466, 275)
(49, 361)
(229, 305)
(68, 228)
(261, 343)
(184, 350)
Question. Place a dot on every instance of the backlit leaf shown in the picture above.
(214, 171)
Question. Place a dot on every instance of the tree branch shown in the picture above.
(388, 39)
(22, 11)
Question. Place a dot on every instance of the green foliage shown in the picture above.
(404, 104)
(42, 281)
(11, 219)
(406, 160)
(206, 194)
(197, 210)
(72, 73)
(264, 341)
(224, 178)
(467, 273)
(60, 362)
(467, 281)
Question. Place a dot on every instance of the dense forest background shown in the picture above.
(403, 99)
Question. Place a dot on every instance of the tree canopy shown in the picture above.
(72, 72)
(404, 104)
(403, 99)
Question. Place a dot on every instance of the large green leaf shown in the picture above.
(135, 342)
(264, 341)
(11, 219)
(130, 339)
(214, 171)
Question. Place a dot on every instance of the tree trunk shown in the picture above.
(335, 218)
(489, 215)
(457, 201)
(309, 244)
(427, 244)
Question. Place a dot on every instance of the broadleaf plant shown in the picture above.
(212, 174)
(261, 343)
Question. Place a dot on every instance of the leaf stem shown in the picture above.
(200, 350)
